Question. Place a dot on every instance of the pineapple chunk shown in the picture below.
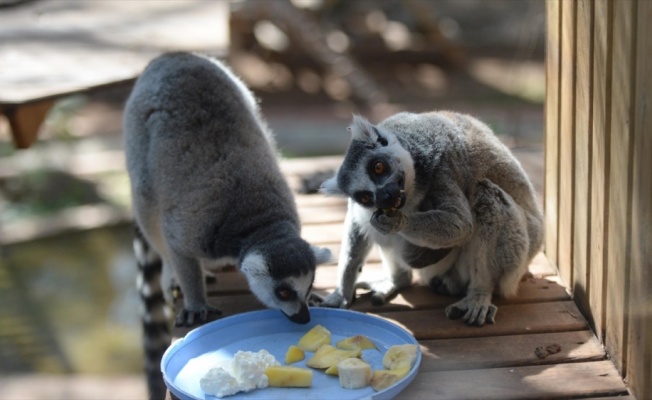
(354, 342)
(400, 355)
(354, 373)
(332, 370)
(285, 376)
(294, 354)
(327, 356)
(314, 338)
(382, 379)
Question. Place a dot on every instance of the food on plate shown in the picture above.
(294, 354)
(314, 338)
(354, 373)
(384, 378)
(354, 342)
(327, 356)
(245, 372)
(400, 355)
(287, 376)
(398, 360)
(332, 370)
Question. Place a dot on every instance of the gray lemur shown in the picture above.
(435, 190)
(207, 190)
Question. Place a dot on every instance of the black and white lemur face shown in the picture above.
(283, 279)
(377, 171)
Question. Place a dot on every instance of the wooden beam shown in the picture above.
(583, 138)
(601, 128)
(551, 181)
(25, 121)
(619, 210)
(639, 335)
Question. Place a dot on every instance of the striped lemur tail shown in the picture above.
(155, 314)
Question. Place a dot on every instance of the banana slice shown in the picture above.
(354, 342)
(400, 355)
(354, 373)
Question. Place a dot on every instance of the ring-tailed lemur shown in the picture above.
(435, 190)
(207, 190)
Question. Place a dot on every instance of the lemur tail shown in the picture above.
(155, 314)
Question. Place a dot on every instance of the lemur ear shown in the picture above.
(331, 188)
(363, 130)
(254, 265)
(322, 254)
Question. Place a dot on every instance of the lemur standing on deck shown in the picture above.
(207, 190)
(438, 191)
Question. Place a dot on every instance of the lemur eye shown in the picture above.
(364, 198)
(379, 167)
(286, 294)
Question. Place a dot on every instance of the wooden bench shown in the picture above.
(49, 50)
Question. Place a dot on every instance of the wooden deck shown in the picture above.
(460, 362)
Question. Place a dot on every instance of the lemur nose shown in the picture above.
(387, 195)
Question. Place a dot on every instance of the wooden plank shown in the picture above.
(583, 111)
(551, 183)
(560, 381)
(619, 215)
(567, 140)
(509, 351)
(639, 365)
(511, 320)
(601, 128)
(531, 290)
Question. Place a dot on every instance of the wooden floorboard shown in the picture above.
(498, 361)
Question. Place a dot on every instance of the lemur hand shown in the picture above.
(387, 222)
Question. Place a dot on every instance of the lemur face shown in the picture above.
(377, 170)
(289, 290)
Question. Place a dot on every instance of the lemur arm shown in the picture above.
(448, 225)
(355, 248)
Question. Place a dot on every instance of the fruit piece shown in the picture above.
(382, 379)
(332, 370)
(294, 354)
(354, 373)
(314, 338)
(400, 355)
(327, 356)
(285, 376)
(354, 342)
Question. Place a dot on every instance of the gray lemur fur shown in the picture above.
(449, 197)
(207, 190)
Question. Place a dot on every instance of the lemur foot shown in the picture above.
(336, 300)
(474, 310)
(187, 317)
(438, 285)
(381, 290)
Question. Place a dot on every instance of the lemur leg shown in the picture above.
(397, 276)
(191, 280)
(496, 252)
(355, 249)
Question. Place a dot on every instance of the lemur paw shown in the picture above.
(202, 315)
(381, 290)
(336, 300)
(474, 310)
(387, 222)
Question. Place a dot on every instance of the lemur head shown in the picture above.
(377, 171)
(281, 274)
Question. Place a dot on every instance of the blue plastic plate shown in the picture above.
(189, 358)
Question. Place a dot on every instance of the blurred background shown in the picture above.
(69, 319)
